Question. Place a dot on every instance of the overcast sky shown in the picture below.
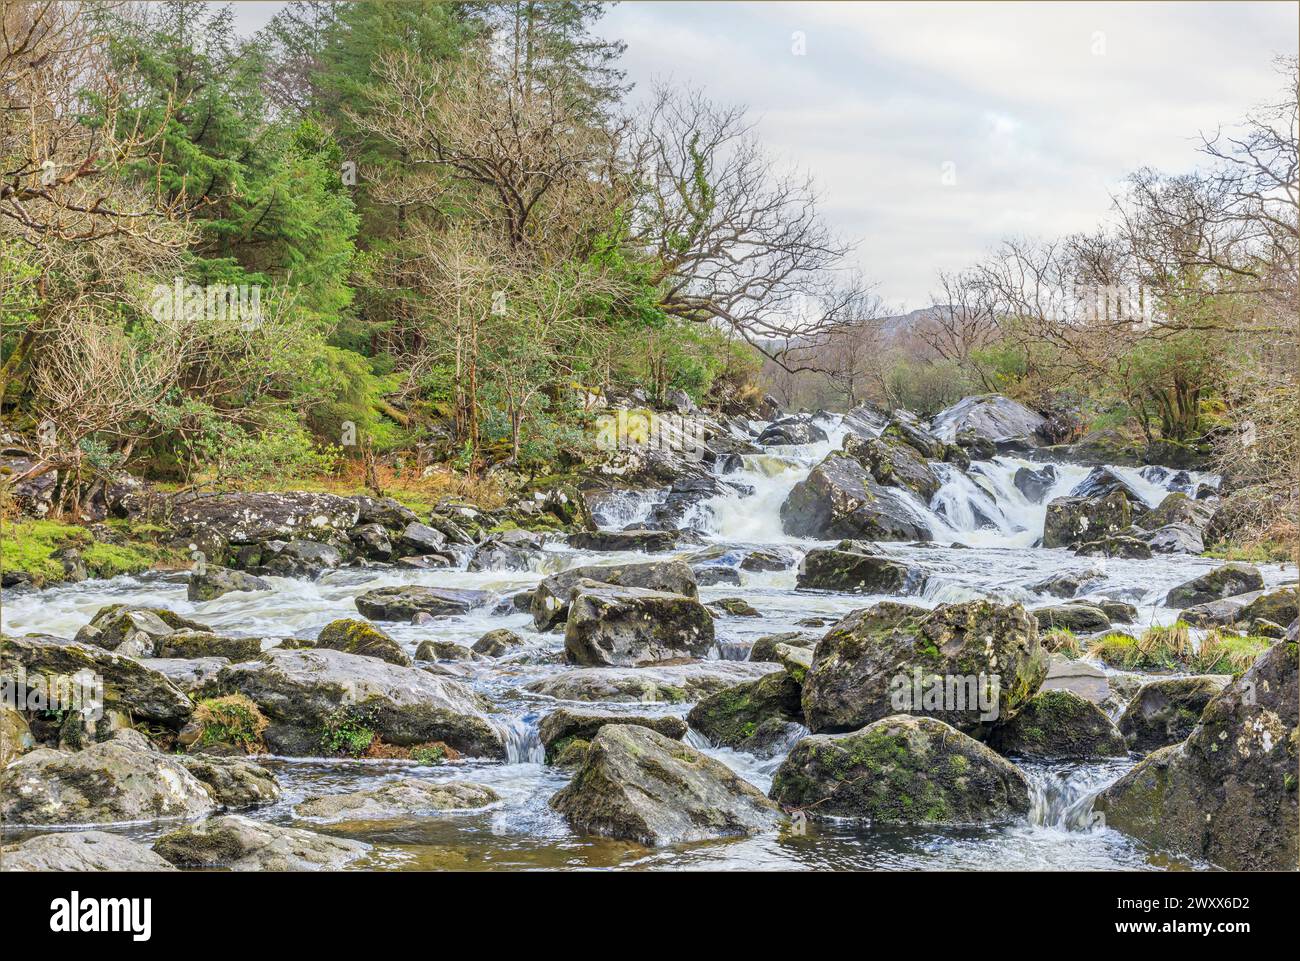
(933, 130)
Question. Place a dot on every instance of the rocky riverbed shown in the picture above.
(719, 663)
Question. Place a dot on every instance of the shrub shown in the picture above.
(233, 719)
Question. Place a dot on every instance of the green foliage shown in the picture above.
(345, 732)
(232, 719)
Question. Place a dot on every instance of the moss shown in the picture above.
(233, 719)
(27, 546)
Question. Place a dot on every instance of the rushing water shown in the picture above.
(993, 526)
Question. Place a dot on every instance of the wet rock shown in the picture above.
(1218, 613)
(635, 784)
(99, 784)
(857, 567)
(1278, 606)
(795, 429)
(233, 782)
(1067, 584)
(1176, 539)
(443, 651)
(893, 463)
(296, 558)
(214, 582)
(911, 432)
(735, 607)
(550, 602)
(128, 686)
(1079, 618)
(1164, 712)
(866, 420)
(190, 645)
(1229, 580)
(238, 518)
(237, 843)
(1119, 612)
(497, 643)
(867, 665)
(1177, 508)
(1074, 520)
(664, 684)
(839, 499)
(764, 649)
(901, 768)
(769, 559)
(495, 556)
(15, 735)
(561, 728)
(419, 539)
(993, 417)
(629, 626)
(714, 575)
(394, 800)
(1228, 793)
(300, 692)
(757, 717)
(645, 541)
(404, 602)
(1102, 481)
(80, 851)
(1115, 546)
(186, 673)
(976, 447)
(383, 511)
(137, 629)
(1078, 677)
(1035, 483)
(1058, 725)
(360, 637)
(372, 541)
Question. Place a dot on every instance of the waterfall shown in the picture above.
(1061, 795)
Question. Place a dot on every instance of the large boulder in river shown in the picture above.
(99, 784)
(1079, 618)
(1177, 508)
(550, 603)
(213, 582)
(908, 430)
(1034, 483)
(304, 692)
(361, 637)
(901, 768)
(1073, 520)
(993, 417)
(631, 626)
(128, 686)
(1278, 606)
(857, 567)
(865, 420)
(213, 520)
(401, 603)
(134, 631)
(894, 463)
(634, 784)
(1059, 725)
(1228, 793)
(237, 843)
(839, 498)
(792, 430)
(871, 663)
(80, 852)
(1102, 481)
(563, 728)
(394, 800)
(1166, 711)
(644, 541)
(758, 717)
(1226, 581)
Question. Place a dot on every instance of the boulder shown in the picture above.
(839, 499)
(1218, 613)
(383, 511)
(361, 637)
(795, 429)
(759, 717)
(128, 686)
(418, 539)
(99, 784)
(993, 417)
(1073, 520)
(187, 673)
(1078, 677)
(670, 684)
(1056, 726)
(734, 607)
(1278, 606)
(1177, 508)
(645, 541)
(191, 645)
(550, 601)
(1227, 794)
(857, 567)
(233, 782)
(133, 630)
(237, 843)
(401, 603)
(213, 582)
(211, 520)
(630, 626)
(634, 784)
(910, 432)
(1078, 618)
(901, 768)
(303, 691)
(871, 662)
(1226, 581)
(865, 420)
(764, 649)
(1035, 483)
(893, 463)
(1166, 711)
(80, 852)
(1115, 546)
(564, 727)
(15, 735)
(395, 800)
(496, 556)
(1067, 584)
(1176, 539)
(497, 643)
(443, 651)
(372, 541)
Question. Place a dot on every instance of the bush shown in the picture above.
(233, 719)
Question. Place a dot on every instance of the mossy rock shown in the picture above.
(361, 637)
(746, 716)
(1059, 725)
